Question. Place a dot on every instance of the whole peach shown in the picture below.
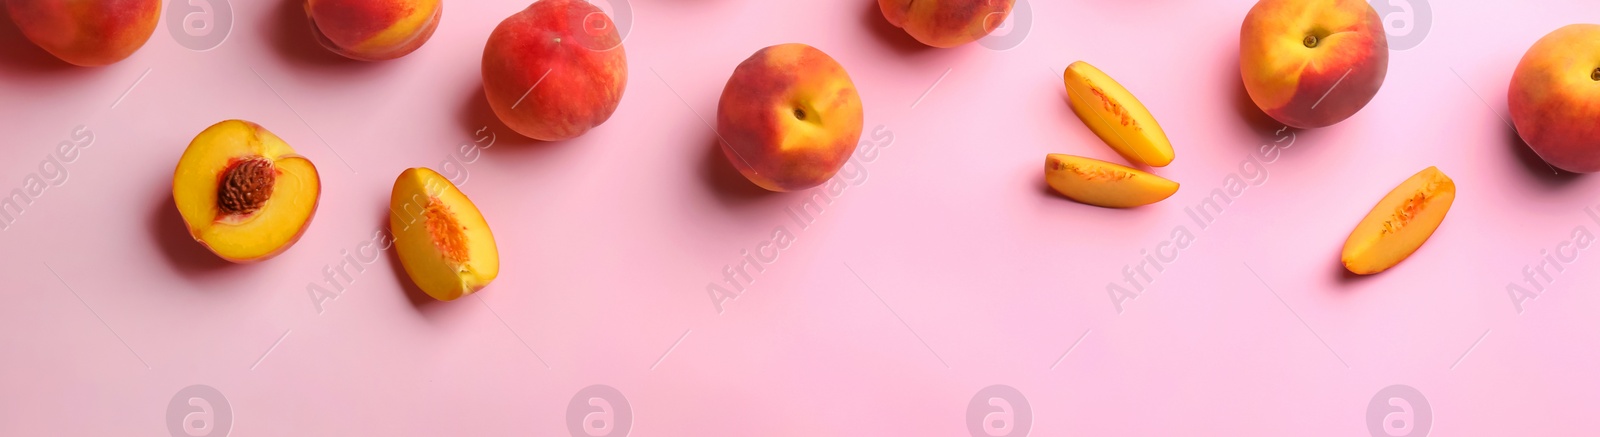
(88, 33)
(554, 70)
(373, 30)
(789, 117)
(946, 23)
(1312, 63)
(1555, 98)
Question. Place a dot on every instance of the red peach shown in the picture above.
(1555, 98)
(789, 117)
(554, 70)
(87, 33)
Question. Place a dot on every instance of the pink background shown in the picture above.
(970, 272)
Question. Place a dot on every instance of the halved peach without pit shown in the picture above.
(243, 192)
(1101, 183)
(1400, 223)
(444, 243)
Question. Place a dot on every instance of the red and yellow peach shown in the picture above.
(87, 33)
(1555, 98)
(789, 117)
(1311, 64)
(373, 30)
(946, 23)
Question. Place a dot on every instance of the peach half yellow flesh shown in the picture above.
(443, 241)
(1400, 223)
(243, 192)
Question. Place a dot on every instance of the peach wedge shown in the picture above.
(1114, 115)
(1101, 183)
(1400, 223)
(444, 243)
(243, 192)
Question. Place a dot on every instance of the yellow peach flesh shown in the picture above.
(1400, 223)
(1101, 183)
(263, 232)
(1118, 118)
(444, 243)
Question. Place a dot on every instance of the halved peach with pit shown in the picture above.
(1101, 183)
(243, 192)
(443, 241)
(1400, 223)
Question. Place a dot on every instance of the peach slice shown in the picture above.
(1400, 223)
(444, 243)
(1114, 115)
(243, 192)
(1101, 183)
